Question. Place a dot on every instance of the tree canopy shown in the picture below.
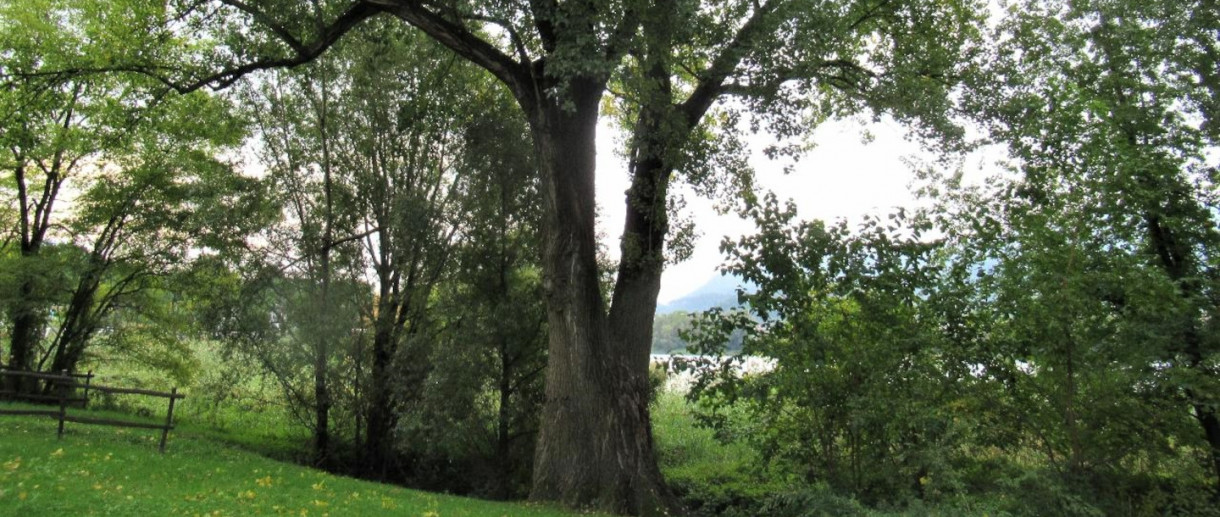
(418, 152)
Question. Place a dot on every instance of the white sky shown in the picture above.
(842, 177)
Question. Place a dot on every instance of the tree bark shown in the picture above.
(595, 447)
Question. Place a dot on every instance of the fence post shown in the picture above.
(63, 405)
(169, 417)
(88, 380)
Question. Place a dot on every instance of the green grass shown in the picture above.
(98, 470)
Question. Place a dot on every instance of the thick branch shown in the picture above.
(620, 39)
(279, 30)
(541, 10)
(711, 84)
(354, 16)
(851, 78)
(302, 53)
(465, 43)
(513, 35)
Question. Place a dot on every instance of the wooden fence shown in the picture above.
(42, 395)
(60, 387)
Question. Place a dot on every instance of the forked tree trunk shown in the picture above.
(595, 446)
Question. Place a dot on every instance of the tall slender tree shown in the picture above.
(297, 118)
(401, 142)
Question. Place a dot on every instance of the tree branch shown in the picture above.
(279, 30)
(711, 84)
(620, 39)
(540, 11)
(302, 53)
(465, 43)
(514, 36)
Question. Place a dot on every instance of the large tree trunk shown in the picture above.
(503, 421)
(595, 446)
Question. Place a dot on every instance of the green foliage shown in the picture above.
(410, 292)
(712, 477)
(1043, 344)
(816, 501)
(858, 379)
(147, 189)
(1048, 325)
(1107, 115)
(474, 422)
(1019, 355)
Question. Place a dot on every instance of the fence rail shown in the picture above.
(61, 384)
(36, 396)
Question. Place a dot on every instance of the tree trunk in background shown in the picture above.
(1211, 431)
(1176, 260)
(503, 421)
(78, 325)
(327, 335)
(27, 325)
(377, 450)
(321, 434)
(595, 446)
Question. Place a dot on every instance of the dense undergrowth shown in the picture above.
(717, 473)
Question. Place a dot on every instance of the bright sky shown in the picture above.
(842, 177)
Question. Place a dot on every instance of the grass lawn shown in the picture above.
(97, 470)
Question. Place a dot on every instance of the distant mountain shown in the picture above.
(720, 291)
